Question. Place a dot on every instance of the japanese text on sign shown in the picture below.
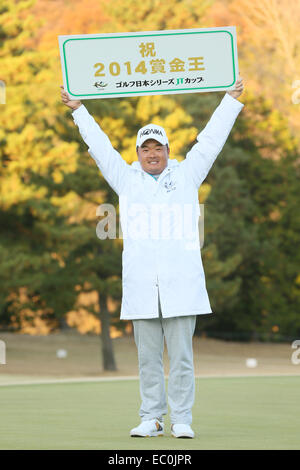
(158, 62)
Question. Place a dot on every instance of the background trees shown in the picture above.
(54, 270)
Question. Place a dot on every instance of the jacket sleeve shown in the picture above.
(211, 140)
(112, 166)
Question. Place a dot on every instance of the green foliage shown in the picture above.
(50, 187)
(251, 216)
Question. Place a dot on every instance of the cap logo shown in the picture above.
(151, 131)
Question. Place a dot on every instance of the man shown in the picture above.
(163, 279)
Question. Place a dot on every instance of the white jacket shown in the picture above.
(159, 219)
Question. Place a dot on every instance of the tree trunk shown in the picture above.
(108, 357)
(63, 325)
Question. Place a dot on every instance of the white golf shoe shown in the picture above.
(150, 428)
(182, 430)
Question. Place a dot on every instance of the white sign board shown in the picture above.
(149, 63)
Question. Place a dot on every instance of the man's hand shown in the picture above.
(73, 104)
(238, 90)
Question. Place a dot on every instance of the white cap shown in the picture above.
(151, 131)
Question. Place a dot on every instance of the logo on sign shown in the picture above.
(100, 85)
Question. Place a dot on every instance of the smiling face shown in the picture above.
(153, 156)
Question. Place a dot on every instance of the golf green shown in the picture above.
(229, 413)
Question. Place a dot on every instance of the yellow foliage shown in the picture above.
(268, 47)
(33, 323)
(83, 321)
(204, 192)
(115, 129)
(34, 140)
(275, 215)
(29, 321)
(86, 322)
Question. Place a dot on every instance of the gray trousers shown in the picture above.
(149, 338)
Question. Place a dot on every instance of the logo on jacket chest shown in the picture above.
(170, 186)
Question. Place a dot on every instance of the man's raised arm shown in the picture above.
(211, 140)
(108, 160)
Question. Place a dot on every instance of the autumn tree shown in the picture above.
(33, 161)
(250, 232)
(268, 48)
(51, 188)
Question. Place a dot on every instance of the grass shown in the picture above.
(229, 413)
